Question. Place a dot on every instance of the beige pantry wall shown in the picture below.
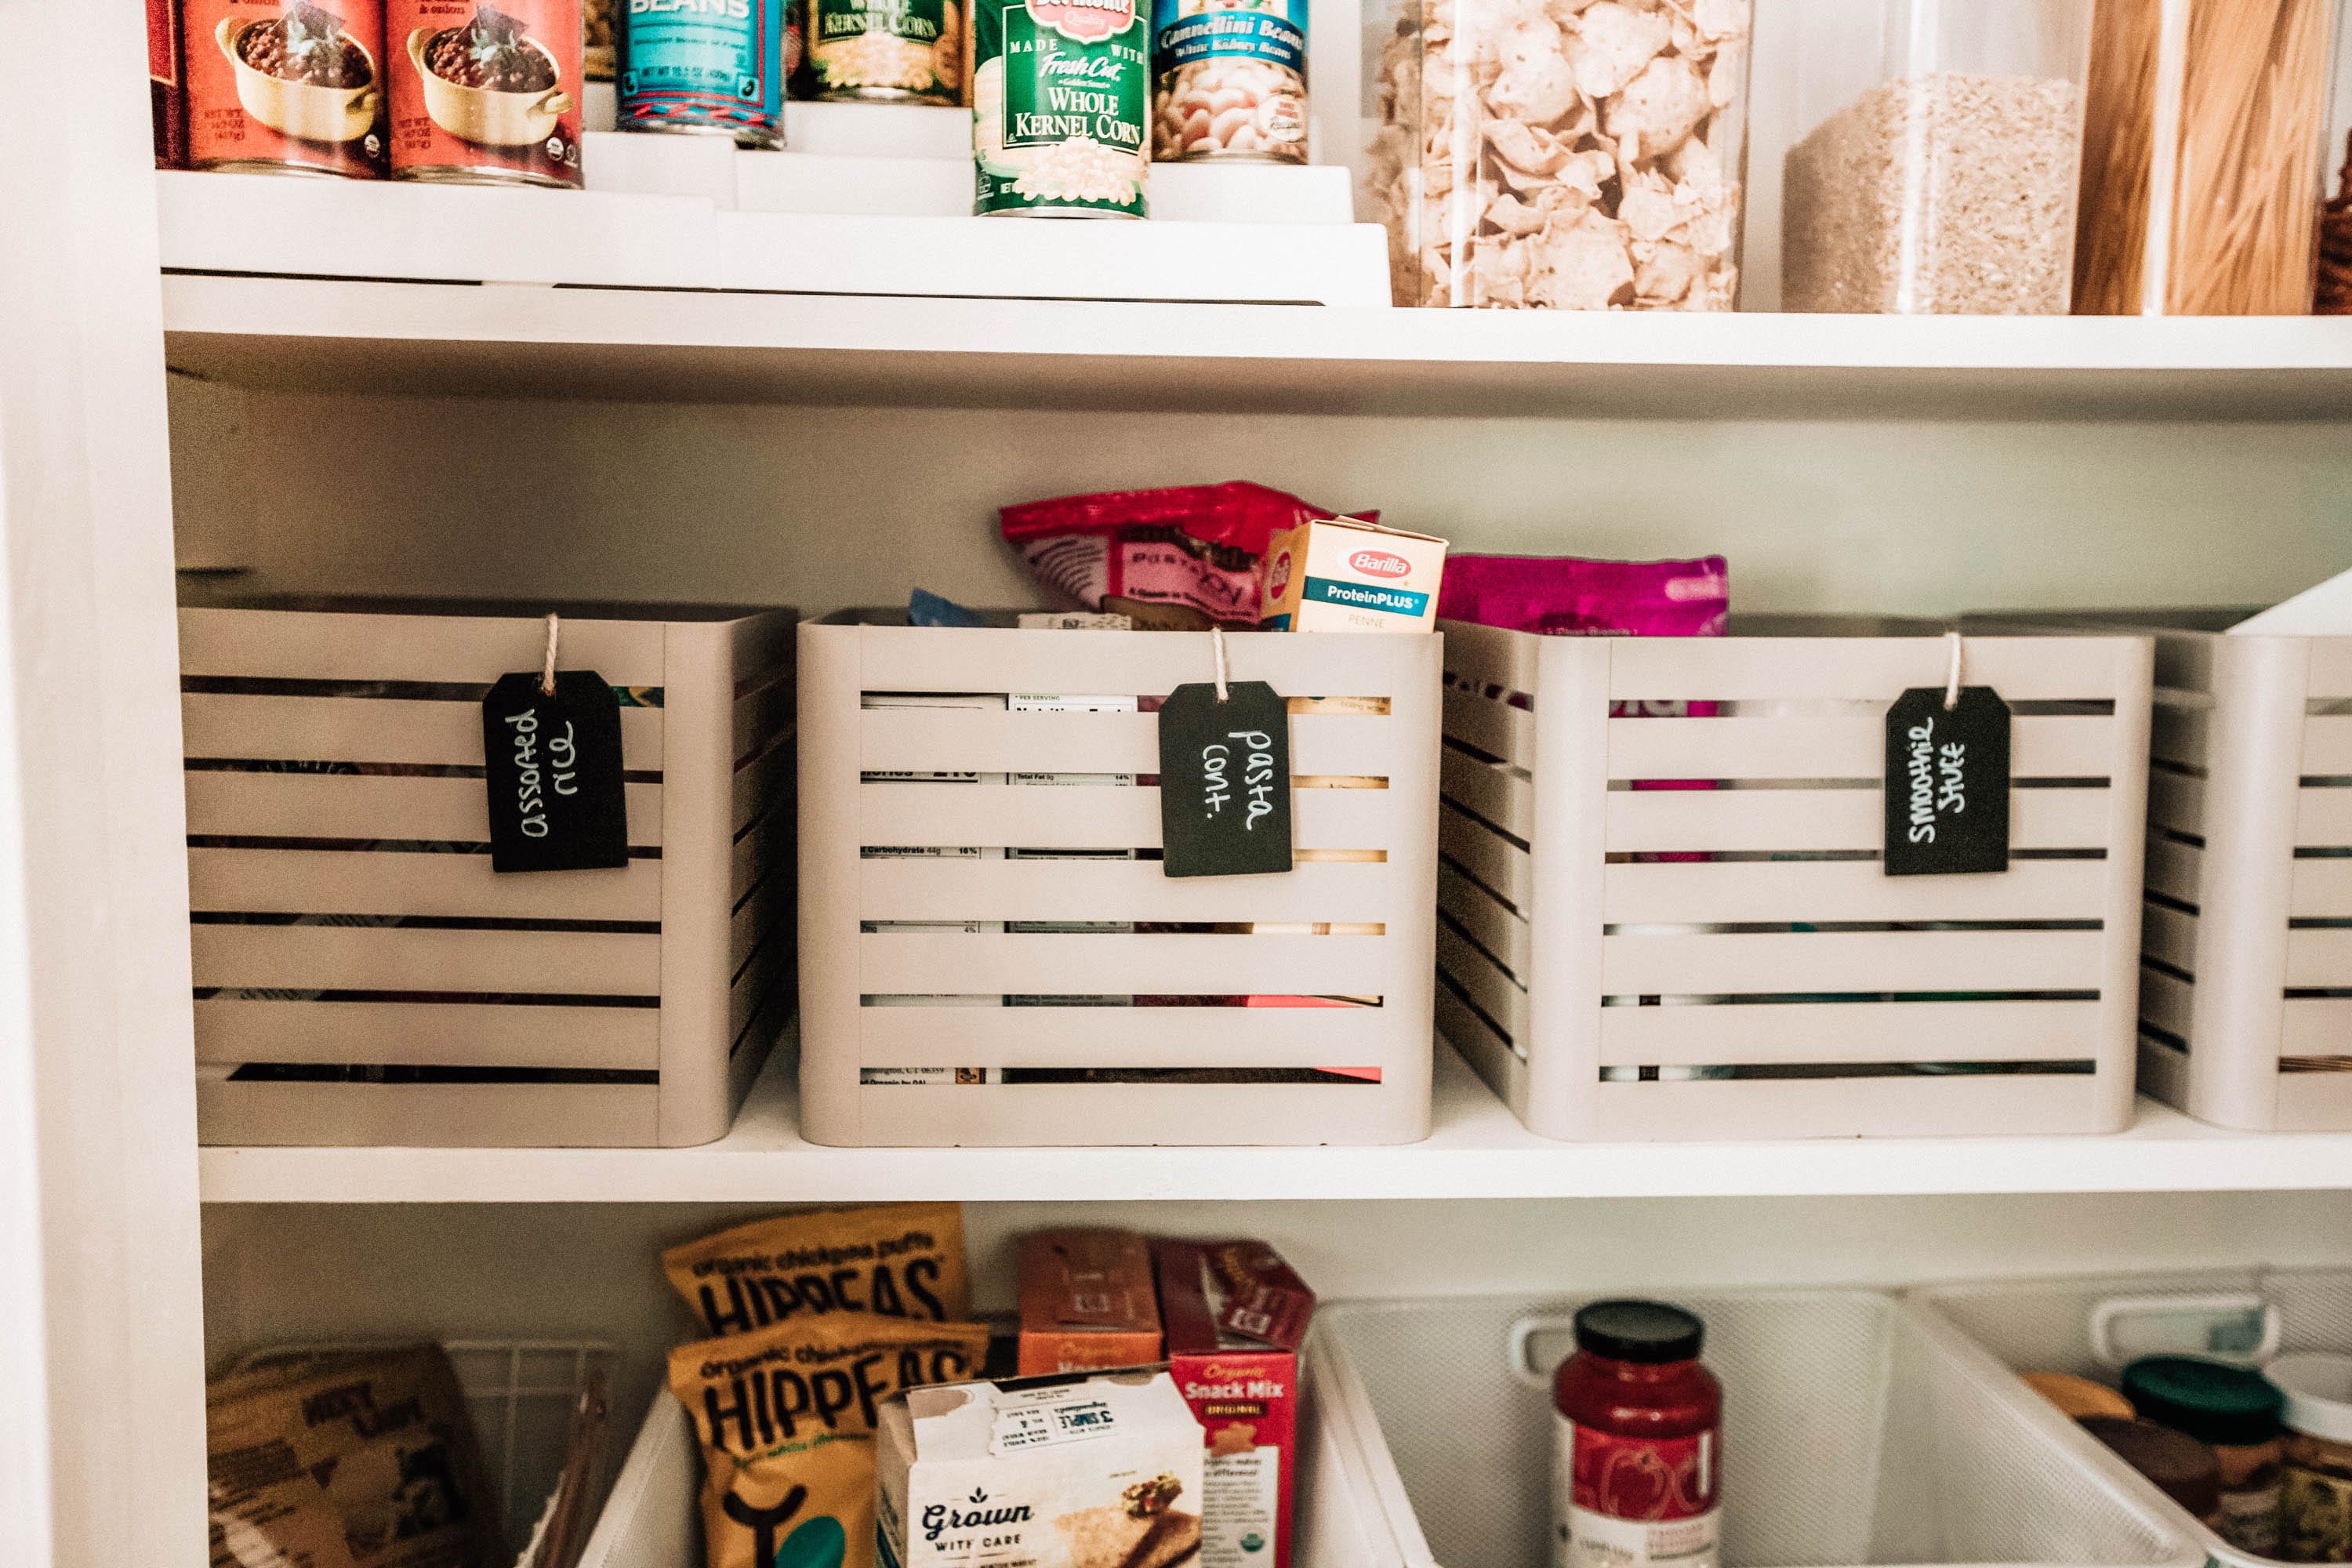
(824, 507)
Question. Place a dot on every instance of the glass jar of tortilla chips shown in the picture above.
(1570, 154)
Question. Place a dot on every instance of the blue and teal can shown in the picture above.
(1229, 80)
(706, 67)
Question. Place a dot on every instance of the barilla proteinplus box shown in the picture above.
(1344, 574)
(1085, 1301)
(1246, 1396)
(1085, 1471)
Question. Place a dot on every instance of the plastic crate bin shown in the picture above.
(363, 977)
(1855, 1431)
(2091, 1326)
(1663, 911)
(991, 955)
(652, 1516)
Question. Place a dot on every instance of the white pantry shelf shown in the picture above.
(641, 343)
(1478, 1152)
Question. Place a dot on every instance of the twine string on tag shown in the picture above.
(546, 669)
(1217, 641)
(1952, 679)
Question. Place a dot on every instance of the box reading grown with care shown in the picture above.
(1100, 1471)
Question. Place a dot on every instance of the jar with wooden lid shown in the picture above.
(2316, 1486)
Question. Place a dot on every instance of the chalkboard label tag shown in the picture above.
(553, 770)
(1946, 783)
(1224, 781)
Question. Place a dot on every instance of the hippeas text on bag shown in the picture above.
(900, 1260)
(786, 1419)
(346, 1459)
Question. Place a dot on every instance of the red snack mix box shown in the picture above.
(1246, 1397)
(1266, 1299)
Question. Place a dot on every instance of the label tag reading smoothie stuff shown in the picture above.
(1224, 781)
(553, 765)
(1946, 783)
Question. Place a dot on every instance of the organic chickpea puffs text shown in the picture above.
(898, 1260)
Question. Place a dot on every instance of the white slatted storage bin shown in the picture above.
(2092, 1326)
(363, 977)
(2246, 984)
(990, 961)
(1624, 954)
(1856, 1430)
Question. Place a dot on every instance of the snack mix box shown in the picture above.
(1098, 1470)
(1086, 1301)
(1246, 1396)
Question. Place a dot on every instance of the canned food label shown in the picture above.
(702, 62)
(485, 92)
(1230, 79)
(288, 83)
(1632, 1503)
(1058, 107)
(914, 47)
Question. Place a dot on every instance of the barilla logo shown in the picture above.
(1278, 578)
(1380, 563)
(1085, 21)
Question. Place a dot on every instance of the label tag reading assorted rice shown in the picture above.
(553, 770)
(1224, 781)
(1946, 783)
(1059, 98)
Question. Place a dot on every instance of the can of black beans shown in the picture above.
(486, 94)
(284, 87)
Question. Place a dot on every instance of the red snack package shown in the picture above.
(1561, 595)
(1266, 1299)
(1191, 549)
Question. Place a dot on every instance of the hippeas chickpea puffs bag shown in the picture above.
(786, 1419)
(898, 1260)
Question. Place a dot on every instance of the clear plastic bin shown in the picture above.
(2205, 151)
(1856, 1430)
(1939, 178)
(1572, 156)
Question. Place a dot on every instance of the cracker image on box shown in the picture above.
(1081, 1471)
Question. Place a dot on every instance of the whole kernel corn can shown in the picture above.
(1060, 108)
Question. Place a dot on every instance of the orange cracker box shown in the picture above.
(1085, 1301)
(1246, 1396)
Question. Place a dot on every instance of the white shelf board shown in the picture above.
(1479, 1151)
(713, 346)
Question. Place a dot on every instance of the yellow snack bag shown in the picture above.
(786, 1419)
(896, 1261)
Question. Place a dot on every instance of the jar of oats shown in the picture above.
(1939, 164)
(1575, 154)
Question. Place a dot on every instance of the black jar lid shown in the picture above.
(1648, 1332)
(2213, 1403)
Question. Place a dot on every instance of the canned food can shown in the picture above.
(485, 94)
(166, 94)
(1059, 95)
(286, 85)
(907, 51)
(693, 66)
(1229, 80)
(597, 45)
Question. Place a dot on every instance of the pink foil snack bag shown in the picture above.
(1563, 596)
(1170, 557)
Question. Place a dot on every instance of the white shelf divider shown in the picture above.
(1479, 1151)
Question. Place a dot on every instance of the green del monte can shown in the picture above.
(1060, 107)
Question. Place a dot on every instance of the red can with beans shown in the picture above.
(486, 93)
(286, 85)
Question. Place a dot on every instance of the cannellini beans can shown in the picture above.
(1229, 80)
(1060, 108)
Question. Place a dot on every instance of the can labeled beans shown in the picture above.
(1059, 107)
(907, 51)
(486, 94)
(712, 67)
(1229, 80)
(286, 85)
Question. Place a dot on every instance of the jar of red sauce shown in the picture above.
(1637, 1458)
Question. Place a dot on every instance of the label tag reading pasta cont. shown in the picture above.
(1946, 783)
(553, 768)
(1224, 781)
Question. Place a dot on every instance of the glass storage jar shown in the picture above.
(2206, 157)
(1574, 154)
(1941, 160)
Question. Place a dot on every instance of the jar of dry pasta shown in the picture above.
(1576, 157)
(2206, 154)
(902, 51)
(1937, 169)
